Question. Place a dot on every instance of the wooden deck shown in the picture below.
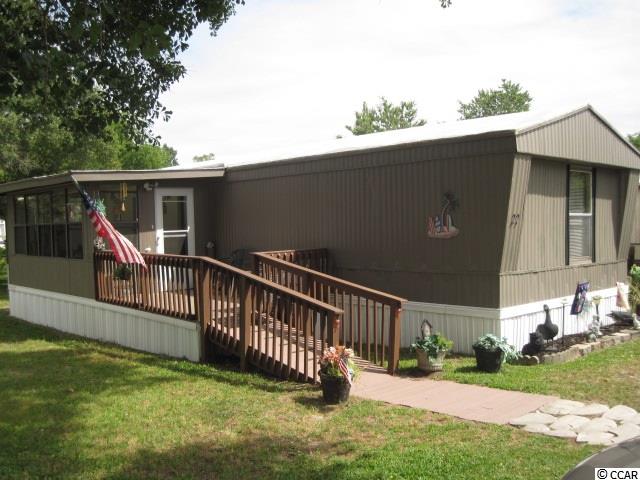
(279, 320)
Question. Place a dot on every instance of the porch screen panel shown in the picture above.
(121, 205)
(20, 222)
(59, 218)
(45, 240)
(580, 221)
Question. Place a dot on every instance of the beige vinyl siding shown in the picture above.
(582, 137)
(635, 233)
(544, 218)
(608, 213)
(629, 185)
(371, 212)
(541, 271)
(517, 288)
(515, 217)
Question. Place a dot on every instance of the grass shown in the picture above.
(610, 376)
(74, 408)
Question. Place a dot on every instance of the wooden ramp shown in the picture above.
(275, 346)
(279, 319)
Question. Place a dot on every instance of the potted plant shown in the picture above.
(337, 373)
(431, 350)
(491, 352)
(122, 272)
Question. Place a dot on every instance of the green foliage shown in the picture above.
(207, 157)
(3, 265)
(491, 343)
(432, 344)
(93, 411)
(94, 63)
(122, 272)
(634, 287)
(385, 116)
(507, 98)
(635, 140)
(607, 376)
(48, 146)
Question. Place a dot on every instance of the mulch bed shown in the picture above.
(568, 341)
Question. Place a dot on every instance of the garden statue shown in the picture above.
(636, 322)
(548, 329)
(425, 328)
(595, 326)
(536, 342)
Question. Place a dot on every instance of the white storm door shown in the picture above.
(175, 230)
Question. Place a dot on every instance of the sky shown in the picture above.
(283, 72)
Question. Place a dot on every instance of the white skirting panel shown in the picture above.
(131, 328)
(464, 324)
(518, 322)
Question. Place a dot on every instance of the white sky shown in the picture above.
(282, 72)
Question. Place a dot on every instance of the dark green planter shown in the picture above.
(488, 361)
(334, 389)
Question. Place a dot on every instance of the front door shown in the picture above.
(175, 221)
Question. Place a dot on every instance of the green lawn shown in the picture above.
(609, 376)
(73, 408)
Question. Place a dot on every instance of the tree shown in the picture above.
(635, 140)
(507, 98)
(385, 116)
(50, 147)
(93, 63)
(207, 157)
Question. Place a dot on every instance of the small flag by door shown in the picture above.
(122, 248)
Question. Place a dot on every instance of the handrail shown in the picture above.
(371, 320)
(328, 279)
(315, 258)
(256, 278)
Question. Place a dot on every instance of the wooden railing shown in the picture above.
(275, 328)
(165, 287)
(315, 259)
(371, 321)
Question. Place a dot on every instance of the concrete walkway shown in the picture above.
(470, 402)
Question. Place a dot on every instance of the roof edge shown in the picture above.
(108, 176)
(382, 148)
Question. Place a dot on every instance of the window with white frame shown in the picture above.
(580, 247)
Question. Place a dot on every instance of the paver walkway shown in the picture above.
(470, 402)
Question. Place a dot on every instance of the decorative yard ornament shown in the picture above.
(579, 298)
(636, 322)
(548, 330)
(426, 328)
(441, 226)
(621, 299)
(536, 342)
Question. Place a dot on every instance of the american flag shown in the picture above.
(342, 365)
(122, 248)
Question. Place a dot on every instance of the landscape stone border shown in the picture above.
(595, 423)
(580, 349)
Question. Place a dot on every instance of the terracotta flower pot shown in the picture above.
(334, 389)
(488, 361)
(430, 364)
